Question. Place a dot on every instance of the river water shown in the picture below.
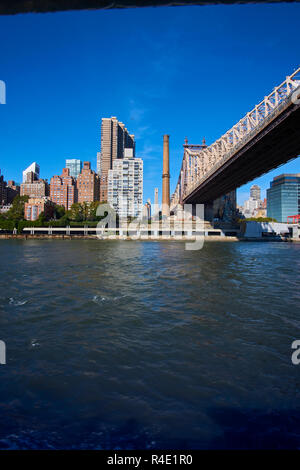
(132, 345)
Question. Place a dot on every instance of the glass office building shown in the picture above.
(283, 197)
(75, 166)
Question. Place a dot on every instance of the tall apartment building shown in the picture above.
(62, 189)
(75, 166)
(255, 192)
(125, 185)
(87, 184)
(34, 187)
(33, 168)
(114, 139)
(283, 197)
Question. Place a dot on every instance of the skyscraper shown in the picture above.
(33, 168)
(255, 192)
(283, 197)
(114, 139)
(75, 166)
(125, 185)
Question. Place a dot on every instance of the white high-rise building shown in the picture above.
(125, 185)
(250, 205)
(33, 168)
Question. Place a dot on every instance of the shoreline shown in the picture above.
(158, 238)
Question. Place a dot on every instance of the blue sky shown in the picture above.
(183, 71)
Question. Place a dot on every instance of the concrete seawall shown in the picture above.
(94, 237)
(143, 238)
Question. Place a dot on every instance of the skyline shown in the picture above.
(164, 89)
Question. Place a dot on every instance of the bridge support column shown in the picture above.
(295, 231)
(209, 211)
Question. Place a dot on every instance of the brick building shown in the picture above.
(88, 184)
(33, 187)
(8, 191)
(63, 189)
(35, 206)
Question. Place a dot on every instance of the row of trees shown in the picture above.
(79, 213)
(258, 219)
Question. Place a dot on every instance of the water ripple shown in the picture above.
(147, 345)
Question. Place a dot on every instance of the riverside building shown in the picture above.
(35, 206)
(88, 184)
(125, 185)
(283, 197)
(114, 139)
(62, 189)
(34, 187)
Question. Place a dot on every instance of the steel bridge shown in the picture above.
(266, 137)
(9, 7)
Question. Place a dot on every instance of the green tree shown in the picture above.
(41, 218)
(59, 211)
(93, 211)
(76, 212)
(258, 219)
(16, 212)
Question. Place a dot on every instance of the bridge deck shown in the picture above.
(276, 144)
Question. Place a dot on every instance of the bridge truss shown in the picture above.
(200, 163)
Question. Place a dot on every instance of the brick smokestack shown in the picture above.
(166, 179)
